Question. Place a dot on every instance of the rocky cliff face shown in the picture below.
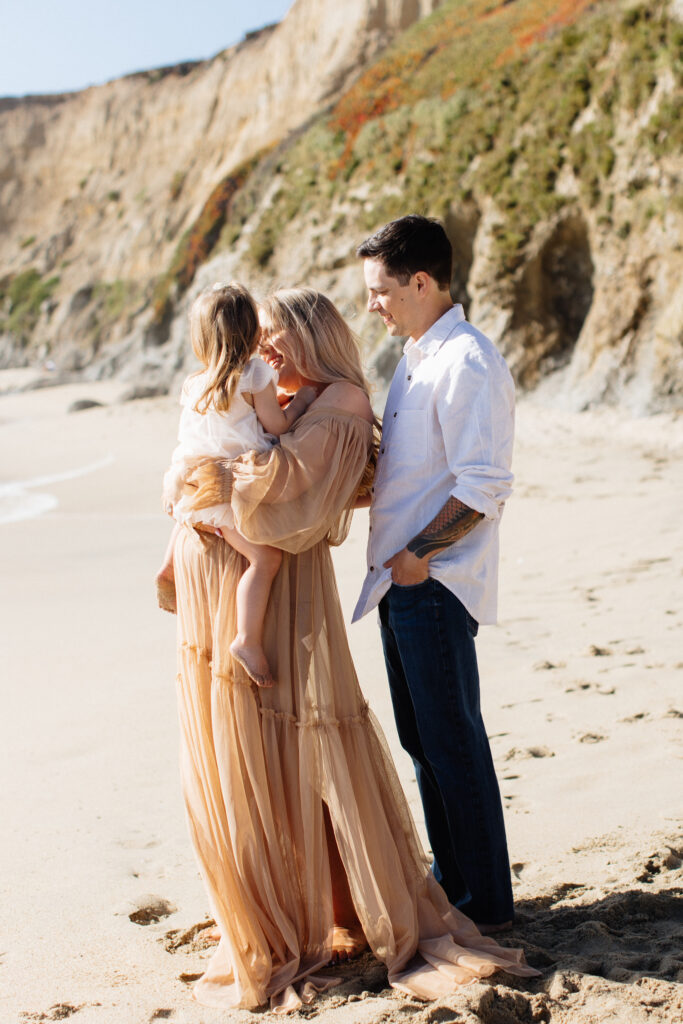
(96, 187)
(547, 136)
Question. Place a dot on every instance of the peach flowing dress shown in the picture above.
(259, 766)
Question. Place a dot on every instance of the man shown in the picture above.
(443, 475)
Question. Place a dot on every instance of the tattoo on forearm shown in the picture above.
(450, 524)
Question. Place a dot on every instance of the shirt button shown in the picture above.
(372, 568)
(381, 451)
(395, 415)
(410, 376)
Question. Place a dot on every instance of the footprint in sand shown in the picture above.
(60, 1011)
(604, 691)
(636, 718)
(441, 1015)
(587, 593)
(188, 978)
(196, 937)
(151, 909)
(517, 754)
(669, 859)
(599, 652)
(591, 737)
(161, 1015)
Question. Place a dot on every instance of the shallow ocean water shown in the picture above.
(20, 499)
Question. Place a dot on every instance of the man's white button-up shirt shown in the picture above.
(447, 431)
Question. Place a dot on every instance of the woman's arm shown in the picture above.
(292, 495)
(352, 399)
(274, 419)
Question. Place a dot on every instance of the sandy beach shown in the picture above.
(103, 913)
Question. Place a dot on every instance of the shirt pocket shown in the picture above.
(409, 439)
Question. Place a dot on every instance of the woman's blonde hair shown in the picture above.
(224, 333)
(321, 346)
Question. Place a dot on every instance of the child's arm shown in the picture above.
(272, 417)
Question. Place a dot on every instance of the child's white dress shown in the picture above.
(215, 435)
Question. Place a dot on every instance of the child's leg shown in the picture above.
(165, 577)
(253, 591)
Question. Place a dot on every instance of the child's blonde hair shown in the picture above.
(224, 333)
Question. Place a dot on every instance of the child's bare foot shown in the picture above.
(253, 661)
(347, 943)
(165, 584)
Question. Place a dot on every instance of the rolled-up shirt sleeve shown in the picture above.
(475, 409)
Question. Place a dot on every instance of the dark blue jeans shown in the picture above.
(428, 640)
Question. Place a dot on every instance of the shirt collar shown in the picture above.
(434, 337)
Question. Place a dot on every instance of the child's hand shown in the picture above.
(307, 394)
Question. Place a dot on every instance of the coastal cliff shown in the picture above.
(97, 186)
(546, 135)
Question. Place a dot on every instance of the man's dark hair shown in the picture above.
(410, 244)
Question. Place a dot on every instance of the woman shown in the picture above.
(302, 831)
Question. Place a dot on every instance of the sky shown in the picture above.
(64, 45)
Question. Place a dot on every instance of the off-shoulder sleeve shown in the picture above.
(302, 490)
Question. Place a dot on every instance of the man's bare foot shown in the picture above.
(347, 943)
(253, 661)
(165, 584)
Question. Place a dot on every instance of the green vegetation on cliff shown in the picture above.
(21, 298)
(523, 104)
(481, 100)
(198, 241)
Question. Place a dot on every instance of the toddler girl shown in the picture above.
(229, 407)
